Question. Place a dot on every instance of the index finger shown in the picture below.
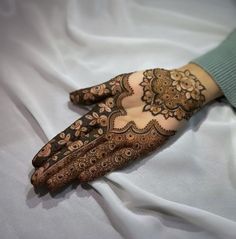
(77, 129)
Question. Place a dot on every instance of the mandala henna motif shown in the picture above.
(174, 93)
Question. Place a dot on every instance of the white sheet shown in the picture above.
(47, 49)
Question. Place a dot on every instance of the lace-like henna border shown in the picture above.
(119, 111)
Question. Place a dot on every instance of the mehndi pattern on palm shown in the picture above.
(92, 146)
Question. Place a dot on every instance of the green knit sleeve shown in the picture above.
(220, 63)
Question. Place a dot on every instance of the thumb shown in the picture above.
(97, 93)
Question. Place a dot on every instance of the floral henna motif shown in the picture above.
(99, 116)
(45, 151)
(174, 93)
(97, 93)
(66, 142)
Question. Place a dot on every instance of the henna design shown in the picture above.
(91, 146)
(174, 93)
(84, 128)
(130, 143)
(85, 124)
(121, 147)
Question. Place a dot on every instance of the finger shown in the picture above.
(73, 170)
(134, 145)
(97, 93)
(68, 153)
(100, 121)
(79, 128)
(66, 156)
(90, 95)
(119, 159)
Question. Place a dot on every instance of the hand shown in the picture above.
(133, 114)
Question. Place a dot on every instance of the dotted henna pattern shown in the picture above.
(174, 93)
(119, 148)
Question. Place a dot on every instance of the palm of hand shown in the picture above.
(133, 115)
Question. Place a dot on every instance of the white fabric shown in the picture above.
(51, 47)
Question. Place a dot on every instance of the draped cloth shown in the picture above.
(187, 190)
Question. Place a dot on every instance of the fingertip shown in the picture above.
(36, 161)
(83, 177)
(61, 178)
(74, 97)
(36, 177)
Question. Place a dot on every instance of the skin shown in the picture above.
(124, 124)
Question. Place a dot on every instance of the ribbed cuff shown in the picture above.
(220, 63)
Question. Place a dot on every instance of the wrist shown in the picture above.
(212, 90)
